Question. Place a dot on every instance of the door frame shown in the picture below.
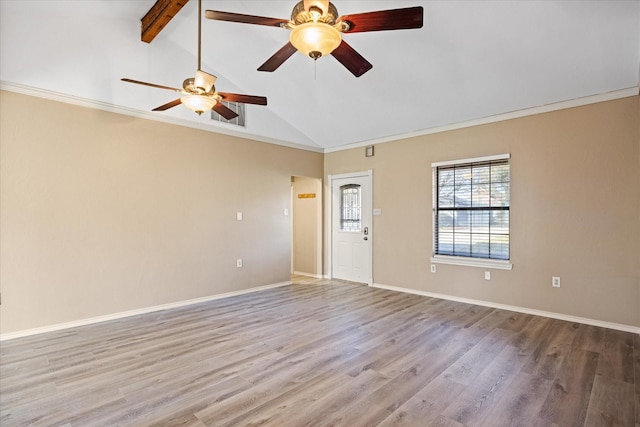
(368, 205)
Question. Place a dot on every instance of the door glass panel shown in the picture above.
(350, 208)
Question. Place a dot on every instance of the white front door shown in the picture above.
(351, 231)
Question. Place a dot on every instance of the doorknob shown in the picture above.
(365, 238)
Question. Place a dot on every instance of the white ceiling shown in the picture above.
(471, 60)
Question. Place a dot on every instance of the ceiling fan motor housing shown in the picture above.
(190, 87)
(300, 15)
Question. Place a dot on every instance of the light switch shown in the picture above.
(239, 216)
(286, 212)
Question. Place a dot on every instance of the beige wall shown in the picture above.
(575, 211)
(103, 213)
(307, 226)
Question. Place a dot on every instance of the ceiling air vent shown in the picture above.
(238, 107)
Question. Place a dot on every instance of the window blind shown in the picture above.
(471, 209)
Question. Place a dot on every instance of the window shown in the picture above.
(471, 211)
(350, 210)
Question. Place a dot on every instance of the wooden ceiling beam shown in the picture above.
(158, 17)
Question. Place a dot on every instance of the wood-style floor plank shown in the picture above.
(616, 359)
(611, 404)
(323, 353)
(547, 358)
(568, 400)
(521, 402)
(426, 405)
(475, 404)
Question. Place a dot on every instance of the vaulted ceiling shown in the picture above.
(471, 60)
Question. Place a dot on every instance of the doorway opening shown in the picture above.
(306, 226)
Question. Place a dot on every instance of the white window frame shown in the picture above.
(460, 260)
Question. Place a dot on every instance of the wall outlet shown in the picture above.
(555, 281)
(487, 275)
(239, 262)
(433, 268)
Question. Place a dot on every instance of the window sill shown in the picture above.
(472, 262)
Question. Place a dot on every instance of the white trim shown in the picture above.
(472, 262)
(69, 99)
(562, 105)
(319, 227)
(552, 315)
(473, 160)
(302, 273)
(291, 219)
(371, 234)
(114, 316)
(329, 234)
(209, 126)
(367, 173)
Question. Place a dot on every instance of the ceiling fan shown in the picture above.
(316, 31)
(199, 92)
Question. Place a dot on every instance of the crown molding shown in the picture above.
(563, 105)
(214, 127)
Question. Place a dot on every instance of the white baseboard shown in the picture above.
(568, 318)
(302, 273)
(114, 316)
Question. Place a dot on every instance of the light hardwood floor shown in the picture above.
(324, 353)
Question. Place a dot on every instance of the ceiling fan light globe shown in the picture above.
(315, 39)
(198, 103)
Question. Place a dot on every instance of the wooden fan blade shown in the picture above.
(244, 19)
(167, 105)
(151, 84)
(225, 111)
(278, 58)
(245, 99)
(351, 59)
(392, 19)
